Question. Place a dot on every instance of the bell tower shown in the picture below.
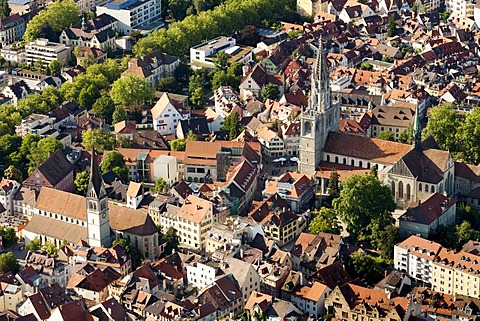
(319, 117)
(98, 220)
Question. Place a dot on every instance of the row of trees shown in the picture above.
(227, 18)
(22, 156)
(457, 133)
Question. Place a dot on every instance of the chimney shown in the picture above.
(241, 253)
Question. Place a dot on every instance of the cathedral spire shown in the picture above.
(320, 87)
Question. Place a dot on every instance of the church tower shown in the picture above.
(98, 224)
(319, 118)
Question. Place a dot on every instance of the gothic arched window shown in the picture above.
(392, 186)
(408, 191)
(400, 189)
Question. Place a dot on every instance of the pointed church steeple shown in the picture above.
(320, 92)
(96, 180)
(98, 218)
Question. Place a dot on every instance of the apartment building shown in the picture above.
(95, 33)
(35, 124)
(134, 14)
(464, 8)
(444, 270)
(153, 67)
(272, 144)
(46, 51)
(192, 221)
(12, 29)
(395, 119)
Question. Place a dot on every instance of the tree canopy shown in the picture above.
(233, 125)
(130, 90)
(227, 18)
(160, 185)
(365, 205)
(386, 135)
(442, 125)
(8, 263)
(13, 173)
(81, 183)
(269, 91)
(4, 9)
(115, 162)
(325, 220)
(58, 15)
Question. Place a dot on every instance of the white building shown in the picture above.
(8, 189)
(415, 256)
(47, 51)
(166, 167)
(310, 299)
(13, 54)
(272, 144)
(201, 274)
(134, 14)
(464, 8)
(166, 115)
(192, 221)
(12, 29)
(203, 54)
(35, 124)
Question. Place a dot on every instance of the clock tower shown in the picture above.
(98, 223)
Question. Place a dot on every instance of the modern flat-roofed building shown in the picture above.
(47, 51)
(134, 14)
(203, 55)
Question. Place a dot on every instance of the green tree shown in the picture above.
(385, 240)
(233, 125)
(54, 67)
(160, 185)
(115, 162)
(58, 15)
(364, 204)
(88, 96)
(168, 84)
(8, 263)
(269, 91)
(45, 147)
(191, 136)
(13, 173)
(444, 16)
(386, 135)
(468, 138)
(221, 61)
(178, 144)
(366, 66)
(366, 266)
(178, 9)
(172, 240)
(135, 255)
(443, 125)
(4, 9)
(50, 248)
(9, 236)
(98, 138)
(81, 183)
(391, 26)
(130, 90)
(325, 220)
(197, 98)
(34, 245)
(104, 107)
(119, 114)
(333, 189)
(465, 233)
(406, 136)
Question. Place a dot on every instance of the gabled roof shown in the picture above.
(370, 149)
(54, 169)
(429, 210)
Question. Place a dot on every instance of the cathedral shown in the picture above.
(412, 172)
(60, 216)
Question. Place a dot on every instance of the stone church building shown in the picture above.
(61, 216)
(412, 172)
